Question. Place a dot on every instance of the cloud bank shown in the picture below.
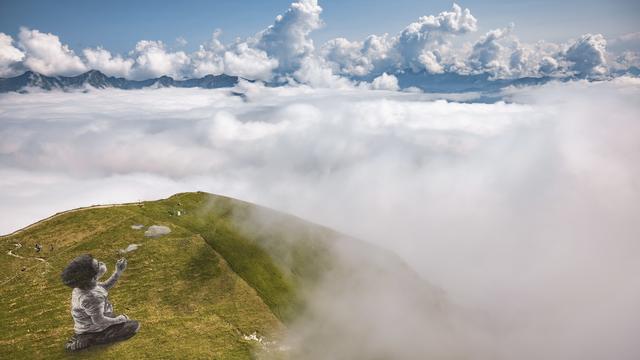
(284, 53)
(523, 212)
(44, 53)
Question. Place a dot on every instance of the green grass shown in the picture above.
(227, 269)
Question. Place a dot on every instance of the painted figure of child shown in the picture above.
(93, 317)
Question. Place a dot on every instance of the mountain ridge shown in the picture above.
(99, 80)
(449, 82)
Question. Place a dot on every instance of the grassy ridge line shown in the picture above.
(67, 212)
(52, 217)
(277, 282)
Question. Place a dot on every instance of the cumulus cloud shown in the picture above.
(385, 82)
(422, 44)
(249, 62)
(548, 65)
(489, 55)
(588, 55)
(627, 60)
(284, 52)
(355, 58)
(316, 72)
(502, 55)
(284, 46)
(287, 40)
(153, 60)
(346, 57)
(44, 53)
(519, 59)
(425, 45)
(102, 60)
(10, 56)
(523, 212)
(208, 59)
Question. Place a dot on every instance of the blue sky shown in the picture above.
(118, 25)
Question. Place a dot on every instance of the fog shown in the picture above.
(524, 212)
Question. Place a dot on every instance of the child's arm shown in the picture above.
(94, 307)
(99, 318)
(120, 266)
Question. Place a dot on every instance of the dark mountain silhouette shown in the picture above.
(99, 80)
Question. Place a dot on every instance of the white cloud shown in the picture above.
(543, 58)
(588, 55)
(500, 54)
(385, 82)
(248, 62)
(287, 40)
(316, 72)
(346, 57)
(284, 48)
(423, 44)
(102, 60)
(208, 59)
(355, 58)
(548, 65)
(44, 53)
(426, 45)
(10, 56)
(489, 55)
(628, 59)
(519, 59)
(431, 61)
(153, 60)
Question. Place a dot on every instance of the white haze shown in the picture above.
(526, 211)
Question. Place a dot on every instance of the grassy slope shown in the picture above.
(196, 290)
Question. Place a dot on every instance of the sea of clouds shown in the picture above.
(525, 210)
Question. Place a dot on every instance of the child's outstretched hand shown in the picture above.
(121, 264)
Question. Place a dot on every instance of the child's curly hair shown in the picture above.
(80, 272)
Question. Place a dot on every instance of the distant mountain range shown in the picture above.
(457, 83)
(432, 83)
(451, 82)
(99, 80)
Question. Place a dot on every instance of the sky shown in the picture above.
(320, 43)
(118, 25)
